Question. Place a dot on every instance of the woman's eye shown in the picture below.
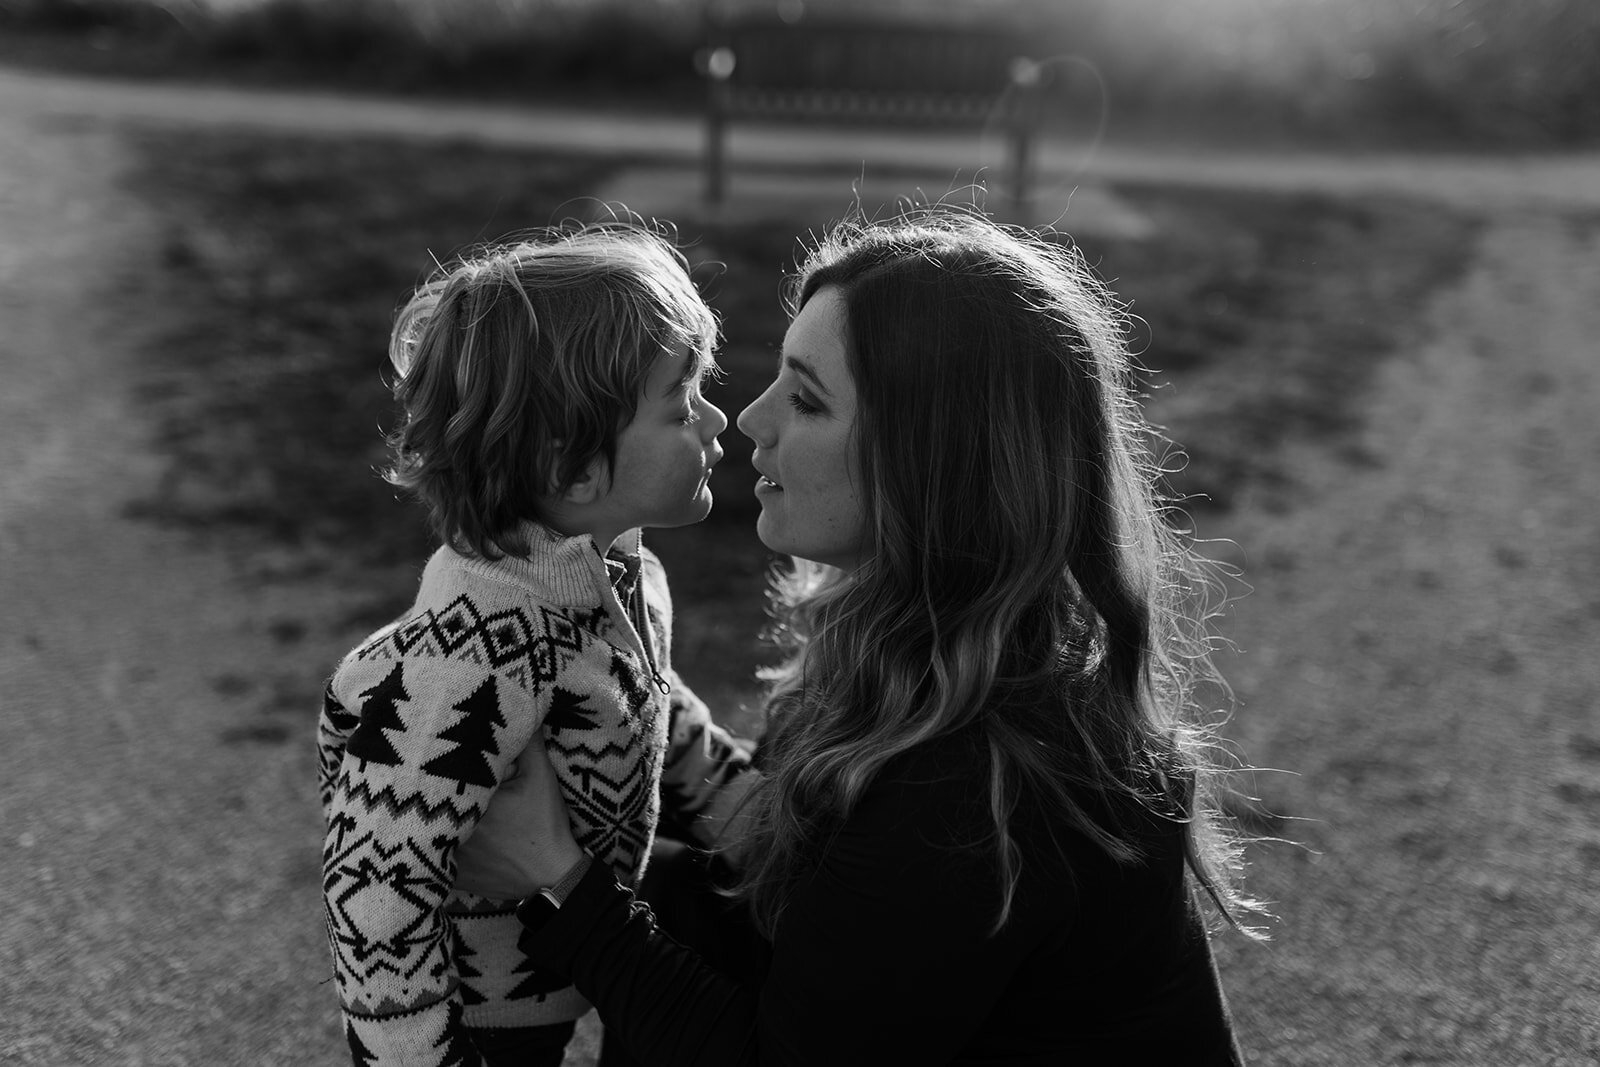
(802, 405)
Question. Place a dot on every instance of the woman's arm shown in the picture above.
(883, 956)
(653, 990)
(660, 1000)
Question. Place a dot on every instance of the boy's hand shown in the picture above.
(524, 841)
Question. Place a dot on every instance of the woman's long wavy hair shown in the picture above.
(1022, 578)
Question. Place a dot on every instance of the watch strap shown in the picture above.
(533, 912)
(557, 894)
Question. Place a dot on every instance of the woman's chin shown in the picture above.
(765, 533)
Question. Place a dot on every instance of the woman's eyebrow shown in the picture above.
(802, 368)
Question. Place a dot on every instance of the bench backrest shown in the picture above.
(841, 66)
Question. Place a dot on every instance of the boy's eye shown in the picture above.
(802, 405)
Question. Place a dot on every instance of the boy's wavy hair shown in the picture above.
(518, 364)
(1023, 580)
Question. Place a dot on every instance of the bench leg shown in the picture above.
(1021, 166)
(716, 157)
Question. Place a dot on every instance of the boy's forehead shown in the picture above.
(676, 367)
(700, 361)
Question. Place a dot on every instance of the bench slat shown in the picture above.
(862, 70)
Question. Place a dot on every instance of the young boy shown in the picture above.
(552, 407)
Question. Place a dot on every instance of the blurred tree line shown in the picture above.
(1511, 72)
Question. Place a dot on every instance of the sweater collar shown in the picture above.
(569, 571)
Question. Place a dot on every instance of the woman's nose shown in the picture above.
(750, 421)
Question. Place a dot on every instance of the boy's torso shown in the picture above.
(603, 716)
(438, 705)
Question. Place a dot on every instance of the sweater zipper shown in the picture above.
(641, 624)
(635, 613)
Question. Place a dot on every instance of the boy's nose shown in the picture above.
(714, 419)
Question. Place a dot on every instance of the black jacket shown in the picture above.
(884, 956)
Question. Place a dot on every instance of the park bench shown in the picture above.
(870, 70)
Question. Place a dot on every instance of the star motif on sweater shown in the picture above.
(399, 884)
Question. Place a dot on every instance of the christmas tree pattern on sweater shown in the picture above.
(420, 724)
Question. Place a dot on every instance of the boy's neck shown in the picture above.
(605, 538)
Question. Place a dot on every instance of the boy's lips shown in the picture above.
(711, 466)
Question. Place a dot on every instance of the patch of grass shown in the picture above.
(284, 262)
(1263, 316)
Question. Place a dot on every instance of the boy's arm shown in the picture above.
(706, 771)
(333, 729)
(432, 741)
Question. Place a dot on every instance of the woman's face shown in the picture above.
(805, 453)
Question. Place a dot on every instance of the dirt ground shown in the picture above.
(1419, 651)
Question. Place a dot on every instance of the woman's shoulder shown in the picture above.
(951, 758)
(928, 820)
(937, 789)
(945, 788)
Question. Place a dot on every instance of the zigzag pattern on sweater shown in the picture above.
(526, 652)
(355, 786)
(471, 906)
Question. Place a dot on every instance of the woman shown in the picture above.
(979, 795)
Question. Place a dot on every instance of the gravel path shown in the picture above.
(160, 870)
(1421, 652)
(1420, 647)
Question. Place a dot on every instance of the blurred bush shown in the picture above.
(476, 44)
(1503, 71)
(1489, 71)
(494, 48)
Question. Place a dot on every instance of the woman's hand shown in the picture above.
(524, 841)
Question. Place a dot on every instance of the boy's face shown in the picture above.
(665, 455)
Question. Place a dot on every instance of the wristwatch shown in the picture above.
(533, 912)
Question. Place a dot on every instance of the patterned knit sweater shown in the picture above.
(421, 723)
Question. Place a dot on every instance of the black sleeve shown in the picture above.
(660, 999)
(884, 954)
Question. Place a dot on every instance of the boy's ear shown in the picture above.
(589, 486)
